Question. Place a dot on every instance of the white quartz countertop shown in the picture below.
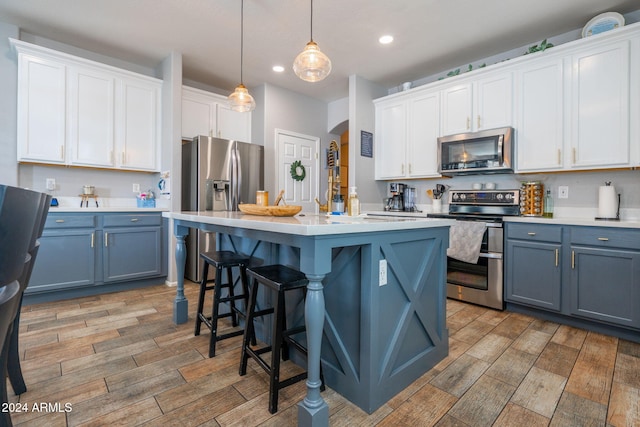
(106, 209)
(590, 222)
(310, 225)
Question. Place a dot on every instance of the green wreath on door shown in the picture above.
(297, 171)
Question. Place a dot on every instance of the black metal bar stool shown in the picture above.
(279, 279)
(222, 260)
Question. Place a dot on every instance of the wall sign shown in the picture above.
(366, 144)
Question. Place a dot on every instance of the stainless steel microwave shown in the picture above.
(486, 151)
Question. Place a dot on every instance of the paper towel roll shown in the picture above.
(607, 202)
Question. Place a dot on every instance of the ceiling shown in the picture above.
(431, 36)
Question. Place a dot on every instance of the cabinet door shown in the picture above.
(539, 118)
(41, 110)
(233, 125)
(605, 285)
(66, 259)
(132, 253)
(533, 274)
(91, 117)
(600, 107)
(391, 131)
(456, 109)
(139, 121)
(423, 132)
(493, 102)
(198, 116)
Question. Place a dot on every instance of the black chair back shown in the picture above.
(20, 217)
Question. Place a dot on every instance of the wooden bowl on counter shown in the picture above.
(252, 209)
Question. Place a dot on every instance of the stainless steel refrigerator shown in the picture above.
(217, 175)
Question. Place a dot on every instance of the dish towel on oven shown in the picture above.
(465, 240)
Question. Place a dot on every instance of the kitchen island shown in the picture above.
(381, 322)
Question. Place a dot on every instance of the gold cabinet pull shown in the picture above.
(92, 239)
(603, 239)
(409, 168)
(531, 233)
(557, 252)
(403, 169)
(478, 121)
(62, 152)
(468, 122)
(573, 260)
(123, 158)
(106, 240)
(574, 155)
(559, 157)
(59, 221)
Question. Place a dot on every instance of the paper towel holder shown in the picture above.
(617, 218)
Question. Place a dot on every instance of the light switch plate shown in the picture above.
(136, 188)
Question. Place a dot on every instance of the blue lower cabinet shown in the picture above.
(130, 253)
(89, 253)
(66, 259)
(588, 276)
(533, 265)
(605, 276)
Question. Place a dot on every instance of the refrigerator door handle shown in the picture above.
(233, 187)
(238, 178)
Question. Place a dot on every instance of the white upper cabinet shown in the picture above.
(77, 112)
(574, 108)
(600, 107)
(232, 124)
(139, 125)
(42, 89)
(423, 131)
(91, 111)
(540, 116)
(485, 103)
(206, 113)
(391, 143)
(198, 113)
(407, 129)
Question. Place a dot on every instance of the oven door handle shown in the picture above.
(492, 255)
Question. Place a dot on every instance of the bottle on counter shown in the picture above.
(338, 203)
(548, 205)
(354, 203)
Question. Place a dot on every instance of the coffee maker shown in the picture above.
(395, 203)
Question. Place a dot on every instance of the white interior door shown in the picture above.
(294, 147)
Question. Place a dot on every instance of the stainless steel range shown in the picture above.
(480, 283)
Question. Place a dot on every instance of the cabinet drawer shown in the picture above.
(132, 220)
(70, 221)
(606, 237)
(535, 232)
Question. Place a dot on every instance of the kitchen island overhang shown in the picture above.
(375, 339)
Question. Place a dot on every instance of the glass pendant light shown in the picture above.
(311, 64)
(240, 100)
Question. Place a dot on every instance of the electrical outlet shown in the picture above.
(136, 188)
(563, 192)
(51, 183)
(383, 272)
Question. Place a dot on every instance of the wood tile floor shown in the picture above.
(119, 360)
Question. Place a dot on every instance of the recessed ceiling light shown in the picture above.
(278, 68)
(386, 39)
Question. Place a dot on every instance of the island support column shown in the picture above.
(180, 304)
(313, 410)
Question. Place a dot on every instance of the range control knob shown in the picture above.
(499, 196)
(509, 196)
(463, 196)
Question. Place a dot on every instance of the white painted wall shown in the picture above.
(279, 108)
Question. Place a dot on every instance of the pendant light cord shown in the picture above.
(241, 38)
(311, 26)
